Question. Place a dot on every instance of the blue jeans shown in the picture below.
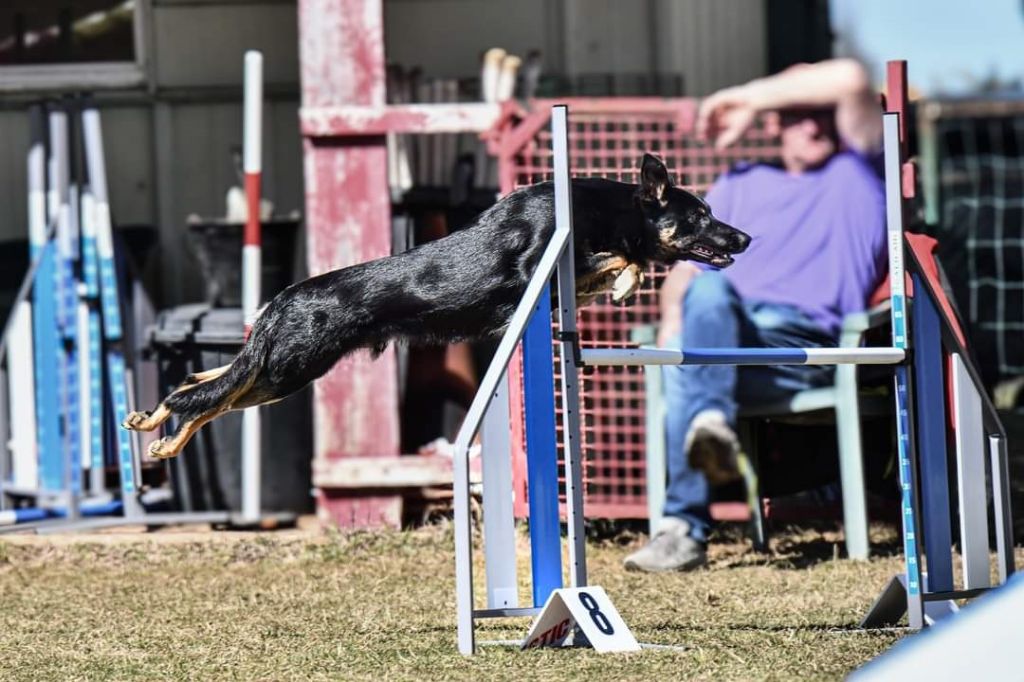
(715, 316)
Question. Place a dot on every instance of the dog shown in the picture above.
(461, 287)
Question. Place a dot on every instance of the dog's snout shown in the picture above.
(741, 240)
(730, 239)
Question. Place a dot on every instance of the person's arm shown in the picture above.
(670, 300)
(842, 83)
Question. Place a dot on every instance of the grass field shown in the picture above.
(310, 605)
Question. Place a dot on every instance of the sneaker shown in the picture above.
(671, 549)
(713, 448)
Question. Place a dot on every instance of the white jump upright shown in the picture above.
(568, 352)
(251, 267)
(900, 339)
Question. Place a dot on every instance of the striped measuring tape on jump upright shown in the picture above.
(91, 278)
(110, 302)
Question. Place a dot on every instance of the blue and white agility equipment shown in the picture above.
(77, 326)
(981, 643)
(920, 432)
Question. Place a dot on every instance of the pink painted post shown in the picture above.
(348, 220)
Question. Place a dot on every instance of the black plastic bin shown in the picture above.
(207, 474)
(217, 246)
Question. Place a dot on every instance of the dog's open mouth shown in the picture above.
(706, 254)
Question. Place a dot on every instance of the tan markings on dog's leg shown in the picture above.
(599, 279)
(193, 380)
(170, 446)
(147, 421)
(207, 375)
(627, 283)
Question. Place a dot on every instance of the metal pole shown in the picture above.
(569, 345)
(251, 267)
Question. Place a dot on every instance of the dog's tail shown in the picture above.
(225, 389)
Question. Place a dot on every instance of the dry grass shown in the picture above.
(381, 606)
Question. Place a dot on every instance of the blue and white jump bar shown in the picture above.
(12, 517)
(742, 356)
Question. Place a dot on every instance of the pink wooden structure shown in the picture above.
(344, 120)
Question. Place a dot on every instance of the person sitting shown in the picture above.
(818, 250)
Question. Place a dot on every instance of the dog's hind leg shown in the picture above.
(170, 446)
(149, 421)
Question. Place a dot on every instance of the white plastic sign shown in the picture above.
(588, 608)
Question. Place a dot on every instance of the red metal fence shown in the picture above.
(607, 138)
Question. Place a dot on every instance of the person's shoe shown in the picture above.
(713, 448)
(671, 549)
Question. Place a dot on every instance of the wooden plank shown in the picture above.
(454, 117)
(413, 471)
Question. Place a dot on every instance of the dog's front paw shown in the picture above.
(163, 448)
(627, 283)
(135, 421)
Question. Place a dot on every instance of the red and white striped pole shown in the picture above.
(251, 266)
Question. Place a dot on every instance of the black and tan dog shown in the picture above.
(461, 287)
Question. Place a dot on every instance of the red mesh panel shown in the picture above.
(607, 138)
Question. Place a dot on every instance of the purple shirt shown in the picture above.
(818, 238)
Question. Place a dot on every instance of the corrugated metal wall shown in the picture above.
(170, 148)
(714, 44)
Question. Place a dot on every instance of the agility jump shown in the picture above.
(975, 418)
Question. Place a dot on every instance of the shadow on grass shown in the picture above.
(745, 627)
(793, 547)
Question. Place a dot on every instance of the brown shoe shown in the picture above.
(713, 448)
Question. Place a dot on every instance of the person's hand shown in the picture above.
(726, 115)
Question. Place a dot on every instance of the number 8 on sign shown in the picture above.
(600, 620)
(594, 616)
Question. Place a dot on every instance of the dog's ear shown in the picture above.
(654, 179)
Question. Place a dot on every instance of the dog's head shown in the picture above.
(683, 221)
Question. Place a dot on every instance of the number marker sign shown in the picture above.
(591, 611)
